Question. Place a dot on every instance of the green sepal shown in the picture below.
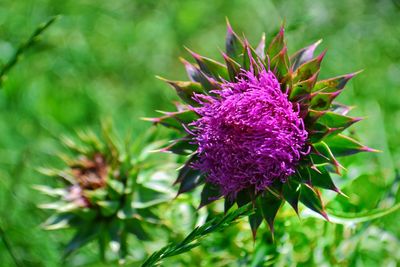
(186, 90)
(303, 55)
(342, 145)
(209, 194)
(311, 199)
(308, 69)
(210, 66)
(233, 44)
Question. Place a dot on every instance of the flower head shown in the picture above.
(261, 127)
(249, 134)
(100, 196)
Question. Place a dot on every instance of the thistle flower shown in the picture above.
(104, 196)
(260, 128)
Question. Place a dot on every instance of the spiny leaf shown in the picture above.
(312, 200)
(303, 55)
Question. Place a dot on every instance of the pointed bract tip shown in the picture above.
(340, 192)
(322, 55)
(325, 215)
(155, 120)
(368, 149)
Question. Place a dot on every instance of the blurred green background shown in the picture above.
(100, 60)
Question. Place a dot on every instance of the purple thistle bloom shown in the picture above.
(249, 134)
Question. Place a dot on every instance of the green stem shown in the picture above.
(25, 46)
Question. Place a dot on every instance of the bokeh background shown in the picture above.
(100, 60)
